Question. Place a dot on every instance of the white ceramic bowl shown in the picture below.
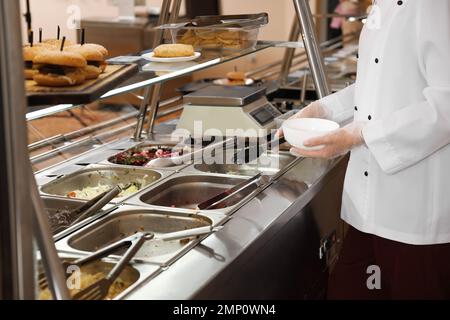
(297, 131)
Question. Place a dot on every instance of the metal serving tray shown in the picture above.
(106, 175)
(186, 190)
(59, 228)
(135, 273)
(128, 220)
(269, 163)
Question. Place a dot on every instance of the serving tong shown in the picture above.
(97, 203)
(217, 202)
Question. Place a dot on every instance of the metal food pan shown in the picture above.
(135, 273)
(269, 163)
(61, 226)
(109, 176)
(189, 145)
(187, 190)
(145, 145)
(128, 220)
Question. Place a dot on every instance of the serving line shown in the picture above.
(221, 266)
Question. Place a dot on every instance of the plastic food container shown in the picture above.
(237, 32)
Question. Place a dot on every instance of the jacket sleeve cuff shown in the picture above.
(339, 105)
(383, 152)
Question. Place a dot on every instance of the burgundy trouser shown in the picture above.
(406, 271)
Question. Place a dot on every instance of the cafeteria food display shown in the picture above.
(219, 32)
(52, 67)
(59, 71)
(62, 63)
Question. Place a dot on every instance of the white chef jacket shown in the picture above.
(398, 185)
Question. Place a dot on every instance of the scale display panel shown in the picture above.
(265, 114)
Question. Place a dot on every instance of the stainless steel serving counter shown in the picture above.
(270, 248)
(276, 243)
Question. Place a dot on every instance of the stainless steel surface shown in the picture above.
(224, 96)
(289, 54)
(107, 176)
(272, 237)
(185, 191)
(128, 220)
(269, 163)
(304, 15)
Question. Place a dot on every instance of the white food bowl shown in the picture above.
(297, 131)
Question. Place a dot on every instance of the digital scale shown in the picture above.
(228, 111)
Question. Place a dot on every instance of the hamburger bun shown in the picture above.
(57, 43)
(29, 53)
(92, 72)
(58, 58)
(30, 73)
(46, 45)
(98, 47)
(95, 59)
(52, 80)
(88, 52)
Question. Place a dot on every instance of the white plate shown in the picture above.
(150, 57)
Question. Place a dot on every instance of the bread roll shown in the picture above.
(174, 51)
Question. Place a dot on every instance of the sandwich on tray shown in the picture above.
(59, 68)
(95, 60)
(29, 53)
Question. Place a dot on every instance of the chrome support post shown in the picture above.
(142, 113)
(289, 54)
(156, 89)
(152, 94)
(312, 48)
(155, 96)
